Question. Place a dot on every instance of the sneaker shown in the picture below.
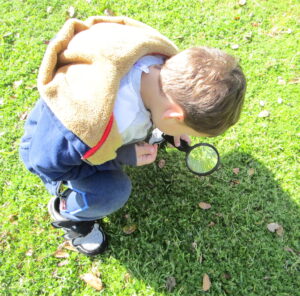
(86, 236)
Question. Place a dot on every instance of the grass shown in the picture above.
(174, 237)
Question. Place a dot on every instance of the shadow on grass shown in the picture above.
(176, 239)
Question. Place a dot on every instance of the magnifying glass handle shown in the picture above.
(184, 146)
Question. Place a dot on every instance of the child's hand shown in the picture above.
(183, 137)
(145, 153)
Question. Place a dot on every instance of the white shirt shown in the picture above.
(133, 120)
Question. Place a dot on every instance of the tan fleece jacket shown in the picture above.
(81, 71)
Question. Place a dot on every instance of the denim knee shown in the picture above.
(97, 196)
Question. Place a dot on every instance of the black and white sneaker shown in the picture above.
(86, 236)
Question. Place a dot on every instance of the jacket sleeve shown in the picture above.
(63, 162)
(52, 156)
(55, 154)
(127, 155)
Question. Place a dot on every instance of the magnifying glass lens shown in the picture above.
(202, 159)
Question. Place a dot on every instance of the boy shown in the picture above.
(104, 84)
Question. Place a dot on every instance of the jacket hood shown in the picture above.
(81, 71)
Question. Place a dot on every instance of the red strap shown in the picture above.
(94, 149)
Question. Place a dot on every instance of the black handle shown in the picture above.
(184, 146)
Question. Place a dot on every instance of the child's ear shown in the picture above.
(174, 112)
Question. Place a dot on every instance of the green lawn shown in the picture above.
(174, 237)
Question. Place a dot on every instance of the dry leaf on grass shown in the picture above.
(275, 31)
(170, 283)
(251, 172)
(71, 11)
(63, 263)
(211, 224)
(236, 170)
(248, 36)
(95, 269)
(49, 9)
(61, 254)
(13, 218)
(262, 103)
(206, 283)
(281, 81)
(264, 113)
(29, 252)
(23, 115)
(18, 83)
(7, 34)
(68, 246)
(30, 87)
(127, 277)
(295, 80)
(235, 182)
(226, 276)
(92, 281)
(161, 163)
(128, 229)
(200, 258)
(235, 46)
(275, 227)
(280, 231)
(204, 205)
(109, 12)
(288, 249)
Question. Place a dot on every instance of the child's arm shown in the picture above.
(62, 161)
(52, 152)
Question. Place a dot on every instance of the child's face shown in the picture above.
(166, 114)
(175, 126)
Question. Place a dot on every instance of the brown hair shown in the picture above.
(208, 84)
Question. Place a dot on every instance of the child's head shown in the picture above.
(208, 85)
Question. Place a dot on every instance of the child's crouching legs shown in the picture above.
(97, 196)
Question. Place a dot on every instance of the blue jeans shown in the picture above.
(95, 196)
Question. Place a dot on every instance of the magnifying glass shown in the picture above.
(201, 159)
